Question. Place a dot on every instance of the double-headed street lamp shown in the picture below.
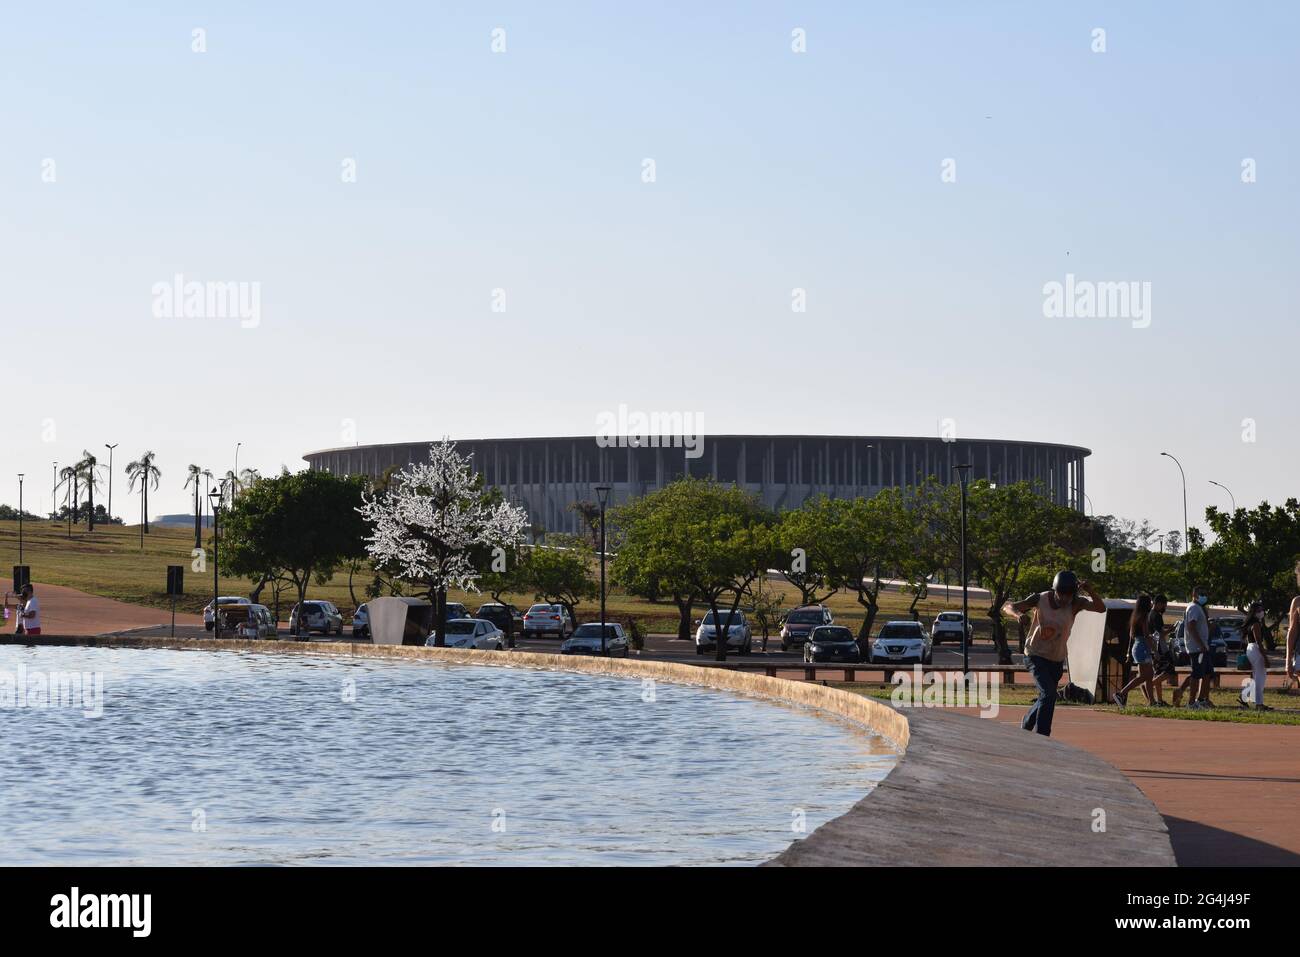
(602, 496)
(1230, 495)
(961, 471)
(110, 477)
(1184, 475)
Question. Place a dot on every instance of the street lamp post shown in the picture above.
(54, 494)
(1184, 475)
(110, 478)
(215, 496)
(602, 496)
(1230, 495)
(961, 471)
(20, 518)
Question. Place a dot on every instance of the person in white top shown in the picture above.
(28, 611)
(1292, 634)
(1196, 641)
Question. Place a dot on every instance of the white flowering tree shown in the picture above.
(434, 524)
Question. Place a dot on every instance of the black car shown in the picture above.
(506, 617)
(1218, 649)
(831, 643)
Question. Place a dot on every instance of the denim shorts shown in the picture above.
(1141, 653)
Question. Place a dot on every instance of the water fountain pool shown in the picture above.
(249, 758)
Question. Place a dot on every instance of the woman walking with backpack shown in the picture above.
(1142, 651)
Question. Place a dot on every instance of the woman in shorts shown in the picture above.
(1142, 652)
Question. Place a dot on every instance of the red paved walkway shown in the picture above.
(1230, 793)
(66, 611)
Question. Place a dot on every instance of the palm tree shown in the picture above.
(196, 473)
(88, 466)
(70, 476)
(208, 479)
(144, 471)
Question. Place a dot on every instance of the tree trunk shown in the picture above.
(90, 506)
(145, 489)
(198, 519)
(440, 616)
(1000, 633)
(869, 602)
(683, 618)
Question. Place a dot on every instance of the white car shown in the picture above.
(542, 620)
(739, 636)
(947, 627)
(905, 642)
(472, 633)
(361, 623)
(221, 600)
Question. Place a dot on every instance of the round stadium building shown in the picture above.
(548, 475)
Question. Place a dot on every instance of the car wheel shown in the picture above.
(784, 646)
(699, 650)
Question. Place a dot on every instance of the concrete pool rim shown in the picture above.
(964, 791)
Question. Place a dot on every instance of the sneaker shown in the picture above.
(1120, 699)
(1195, 706)
(1262, 707)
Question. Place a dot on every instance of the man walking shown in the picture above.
(1196, 641)
(1045, 651)
(28, 611)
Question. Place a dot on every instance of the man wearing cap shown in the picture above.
(1045, 650)
(29, 611)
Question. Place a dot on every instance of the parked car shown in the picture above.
(1230, 629)
(221, 600)
(249, 621)
(831, 643)
(800, 622)
(585, 640)
(947, 626)
(1218, 648)
(472, 633)
(361, 623)
(506, 617)
(319, 616)
(905, 642)
(739, 636)
(543, 620)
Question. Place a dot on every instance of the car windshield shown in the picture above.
(899, 631)
(722, 617)
(833, 634)
(805, 617)
(460, 627)
(593, 631)
(540, 610)
(949, 616)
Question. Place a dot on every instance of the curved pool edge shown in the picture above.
(965, 791)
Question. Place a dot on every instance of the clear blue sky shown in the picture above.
(775, 170)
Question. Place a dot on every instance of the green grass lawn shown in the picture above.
(1227, 708)
(112, 563)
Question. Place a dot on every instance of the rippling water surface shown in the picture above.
(230, 758)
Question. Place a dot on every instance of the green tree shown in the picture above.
(1253, 557)
(644, 563)
(1009, 529)
(806, 536)
(725, 542)
(560, 572)
(298, 525)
